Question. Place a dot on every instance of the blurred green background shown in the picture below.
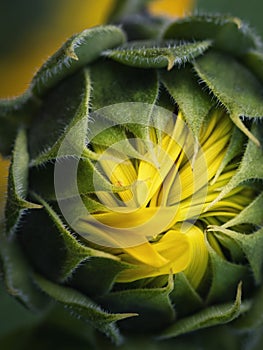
(15, 321)
(251, 11)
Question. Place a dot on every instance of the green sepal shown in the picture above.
(149, 54)
(252, 214)
(227, 245)
(42, 179)
(211, 316)
(78, 51)
(253, 319)
(250, 167)
(250, 244)
(224, 277)
(17, 203)
(123, 104)
(153, 305)
(216, 338)
(64, 114)
(135, 118)
(74, 134)
(87, 171)
(109, 133)
(194, 103)
(116, 138)
(14, 114)
(96, 276)
(184, 297)
(254, 60)
(236, 144)
(130, 84)
(108, 137)
(241, 93)
(229, 34)
(18, 277)
(90, 205)
(55, 252)
(84, 308)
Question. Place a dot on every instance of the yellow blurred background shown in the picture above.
(46, 35)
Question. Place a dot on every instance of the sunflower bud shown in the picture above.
(135, 187)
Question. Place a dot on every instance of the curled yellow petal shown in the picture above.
(199, 256)
(174, 247)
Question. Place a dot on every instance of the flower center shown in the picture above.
(165, 189)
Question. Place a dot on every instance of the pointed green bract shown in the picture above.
(250, 167)
(254, 60)
(83, 168)
(252, 214)
(184, 297)
(84, 308)
(18, 277)
(17, 203)
(121, 105)
(254, 317)
(157, 55)
(64, 114)
(67, 255)
(211, 316)
(153, 306)
(192, 101)
(126, 83)
(241, 93)
(15, 113)
(74, 133)
(251, 246)
(77, 52)
(106, 271)
(229, 34)
(233, 150)
(225, 275)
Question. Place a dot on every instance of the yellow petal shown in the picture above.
(147, 254)
(174, 247)
(199, 256)
(161, 159)
(146, 223)
(120, 172)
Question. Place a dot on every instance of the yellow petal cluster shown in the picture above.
(168, 196)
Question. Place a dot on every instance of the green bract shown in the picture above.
(206, 70)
